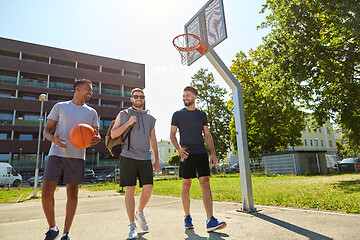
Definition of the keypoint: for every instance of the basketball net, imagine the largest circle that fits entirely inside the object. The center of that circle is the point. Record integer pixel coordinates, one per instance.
(188, 45)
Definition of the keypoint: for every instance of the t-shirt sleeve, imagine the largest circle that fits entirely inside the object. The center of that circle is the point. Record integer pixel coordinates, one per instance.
(175, 120)
(204, 119)
(95, 120)
(54, 113)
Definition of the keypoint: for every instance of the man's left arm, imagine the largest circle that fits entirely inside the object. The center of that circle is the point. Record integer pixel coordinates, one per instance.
(97, 137)
(210, 143)
(154, 147)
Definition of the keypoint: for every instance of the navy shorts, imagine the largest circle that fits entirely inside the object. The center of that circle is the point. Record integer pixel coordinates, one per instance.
(195, 165)
(64, 170)
(132, 169)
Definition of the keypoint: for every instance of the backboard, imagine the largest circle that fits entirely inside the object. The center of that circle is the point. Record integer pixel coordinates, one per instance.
(209, 24)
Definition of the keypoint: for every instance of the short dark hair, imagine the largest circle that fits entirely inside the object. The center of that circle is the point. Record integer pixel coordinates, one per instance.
(136, 90)
(191, 89)
(79, 82)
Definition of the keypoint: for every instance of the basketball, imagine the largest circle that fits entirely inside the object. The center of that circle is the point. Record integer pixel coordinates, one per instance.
(81, 135)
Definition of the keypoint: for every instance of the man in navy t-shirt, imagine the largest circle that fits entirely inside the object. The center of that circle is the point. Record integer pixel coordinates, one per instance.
(192, 124)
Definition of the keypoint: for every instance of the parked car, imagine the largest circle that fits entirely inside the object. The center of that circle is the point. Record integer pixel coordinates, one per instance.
(221, 167)
(108, 176)
(32, 179)
(170, 170)
(348, 165)
(90, 176)
(9, 175)
(235, 168)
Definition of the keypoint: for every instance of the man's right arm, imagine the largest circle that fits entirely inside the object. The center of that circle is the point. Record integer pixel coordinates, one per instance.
(117, 130)
(48, 134)
(182, 153)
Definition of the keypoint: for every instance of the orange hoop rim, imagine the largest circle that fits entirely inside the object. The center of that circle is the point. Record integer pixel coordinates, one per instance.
(187, 49)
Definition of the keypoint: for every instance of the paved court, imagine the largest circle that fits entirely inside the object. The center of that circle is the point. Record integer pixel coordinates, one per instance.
(101, 215)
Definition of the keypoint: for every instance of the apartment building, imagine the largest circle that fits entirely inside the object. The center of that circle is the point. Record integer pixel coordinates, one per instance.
(28, 70)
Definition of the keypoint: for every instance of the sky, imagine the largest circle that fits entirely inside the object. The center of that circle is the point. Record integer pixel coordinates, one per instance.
(139, 31)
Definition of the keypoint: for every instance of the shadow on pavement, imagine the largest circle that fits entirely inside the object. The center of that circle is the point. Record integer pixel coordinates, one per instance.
(302, 231)
(191, 235)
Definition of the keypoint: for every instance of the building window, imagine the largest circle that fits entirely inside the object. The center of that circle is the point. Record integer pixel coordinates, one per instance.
(328, 130)
(3, 136)
(330, 144)
(320, 130)
(311, 143)
(5, 157)
(175, 150)
(317, 142)
(25, 137)
(169, 150)
(6, 94)
(322, 143)
(6, 118)
(305, 143)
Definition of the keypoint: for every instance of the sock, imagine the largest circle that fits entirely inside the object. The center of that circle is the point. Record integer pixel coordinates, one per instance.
(54, 228)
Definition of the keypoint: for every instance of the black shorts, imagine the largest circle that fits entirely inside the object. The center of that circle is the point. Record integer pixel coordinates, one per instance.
(132, 169)
(195, 165)
(64, 170)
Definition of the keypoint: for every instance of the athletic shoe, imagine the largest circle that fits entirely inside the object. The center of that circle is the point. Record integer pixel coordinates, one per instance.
(141, 221)
(188, 222)
(52, 234)
(213, 224)
(65, 237)
(133, 231)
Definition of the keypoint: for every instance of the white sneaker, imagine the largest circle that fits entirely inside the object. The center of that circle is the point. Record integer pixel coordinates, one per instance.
(133, 231)
(141, 220)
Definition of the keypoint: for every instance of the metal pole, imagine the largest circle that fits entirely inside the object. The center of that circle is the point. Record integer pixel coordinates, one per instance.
(240, 125)
(42, 98)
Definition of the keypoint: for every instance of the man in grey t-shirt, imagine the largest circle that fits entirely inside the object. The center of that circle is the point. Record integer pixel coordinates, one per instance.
(136, 158)
(65, 162)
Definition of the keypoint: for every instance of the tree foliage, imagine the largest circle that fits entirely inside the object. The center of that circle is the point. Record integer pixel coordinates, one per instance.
(174, 159)
(273, 121)
(210, 99)
(316, 45)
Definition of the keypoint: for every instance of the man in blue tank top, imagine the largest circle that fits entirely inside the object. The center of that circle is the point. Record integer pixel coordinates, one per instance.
(192, 124)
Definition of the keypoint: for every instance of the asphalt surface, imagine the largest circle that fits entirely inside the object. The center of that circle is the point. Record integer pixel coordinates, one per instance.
(102, 215)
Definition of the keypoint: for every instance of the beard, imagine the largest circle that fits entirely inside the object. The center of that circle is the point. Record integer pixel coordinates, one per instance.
(138, 104)
(189, 103)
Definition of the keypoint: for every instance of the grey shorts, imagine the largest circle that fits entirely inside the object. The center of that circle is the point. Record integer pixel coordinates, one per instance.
(64, 170)
(132, 169)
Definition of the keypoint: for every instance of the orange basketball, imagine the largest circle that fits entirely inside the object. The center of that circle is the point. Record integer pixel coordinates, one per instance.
(81, 135)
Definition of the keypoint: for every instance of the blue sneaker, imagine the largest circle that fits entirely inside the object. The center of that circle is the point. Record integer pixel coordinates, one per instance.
(65, 236)
(188, 222)
(213, 224)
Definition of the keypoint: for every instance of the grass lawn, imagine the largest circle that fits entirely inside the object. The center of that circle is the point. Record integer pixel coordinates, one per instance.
(16, 195)
(337, 192)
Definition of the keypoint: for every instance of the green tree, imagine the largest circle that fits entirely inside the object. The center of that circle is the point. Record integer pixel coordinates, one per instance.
(273, 121)
(316, 45)
(174, 159)
(210, 99)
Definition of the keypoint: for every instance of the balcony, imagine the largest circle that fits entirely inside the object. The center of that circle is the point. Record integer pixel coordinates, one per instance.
(8, 80)
(33, 83)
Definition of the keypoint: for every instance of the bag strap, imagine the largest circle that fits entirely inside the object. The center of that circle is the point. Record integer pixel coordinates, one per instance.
(128, 133)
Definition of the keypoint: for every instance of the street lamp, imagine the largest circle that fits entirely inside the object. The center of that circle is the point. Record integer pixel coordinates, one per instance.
(42, 99)
(92, 159)
(19, 159)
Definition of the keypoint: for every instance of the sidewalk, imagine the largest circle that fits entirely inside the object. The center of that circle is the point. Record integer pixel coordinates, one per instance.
(102, 215)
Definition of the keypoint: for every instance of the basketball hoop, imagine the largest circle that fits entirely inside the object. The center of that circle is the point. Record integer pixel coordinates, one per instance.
(188, 45)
